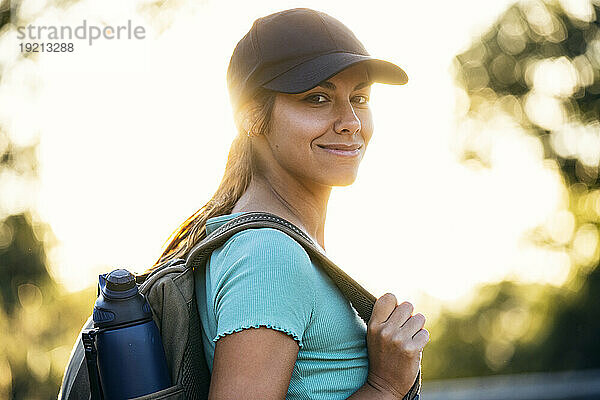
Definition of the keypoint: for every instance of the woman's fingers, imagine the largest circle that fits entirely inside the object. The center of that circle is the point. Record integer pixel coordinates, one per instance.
(394, 320)
(382, 309)
(412, 334)
(401, 315)
(421, 338)
(414, 324)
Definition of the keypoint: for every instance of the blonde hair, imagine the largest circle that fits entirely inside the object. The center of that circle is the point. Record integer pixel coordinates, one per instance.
(236, 178)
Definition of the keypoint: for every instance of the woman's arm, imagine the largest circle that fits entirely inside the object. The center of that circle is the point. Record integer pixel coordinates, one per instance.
(254, 363)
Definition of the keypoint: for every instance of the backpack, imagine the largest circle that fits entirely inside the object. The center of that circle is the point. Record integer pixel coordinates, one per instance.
(170, 291)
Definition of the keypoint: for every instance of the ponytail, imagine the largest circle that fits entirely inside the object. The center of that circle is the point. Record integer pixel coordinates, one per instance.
(236, 178)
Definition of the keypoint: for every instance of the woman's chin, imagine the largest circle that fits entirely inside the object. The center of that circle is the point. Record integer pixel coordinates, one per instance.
(342, 180)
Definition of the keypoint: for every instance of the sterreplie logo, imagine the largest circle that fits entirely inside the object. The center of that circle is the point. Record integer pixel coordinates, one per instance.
(91, 33)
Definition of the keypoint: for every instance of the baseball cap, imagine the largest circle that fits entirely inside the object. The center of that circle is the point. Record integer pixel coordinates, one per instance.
(292, 51)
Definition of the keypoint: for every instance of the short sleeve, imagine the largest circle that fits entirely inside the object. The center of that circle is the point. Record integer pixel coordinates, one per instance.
(262, 277)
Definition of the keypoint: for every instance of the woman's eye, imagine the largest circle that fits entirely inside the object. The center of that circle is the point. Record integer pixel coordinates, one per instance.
(314, 98)
(365, 99)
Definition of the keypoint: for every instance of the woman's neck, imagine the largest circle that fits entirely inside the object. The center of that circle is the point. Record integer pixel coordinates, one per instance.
(302, 207)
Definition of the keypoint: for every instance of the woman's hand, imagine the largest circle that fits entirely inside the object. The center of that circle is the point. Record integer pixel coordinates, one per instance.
(395, 340)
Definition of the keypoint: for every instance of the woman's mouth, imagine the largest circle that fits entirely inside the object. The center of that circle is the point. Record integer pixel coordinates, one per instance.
(344, 151)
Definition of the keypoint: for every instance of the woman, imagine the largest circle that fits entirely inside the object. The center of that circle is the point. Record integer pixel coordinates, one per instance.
(299, 82)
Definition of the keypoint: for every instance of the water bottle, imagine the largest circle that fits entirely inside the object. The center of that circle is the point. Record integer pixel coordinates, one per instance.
(124, 351)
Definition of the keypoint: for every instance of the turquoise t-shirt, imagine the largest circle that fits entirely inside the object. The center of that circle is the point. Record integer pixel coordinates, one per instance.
(263, 277)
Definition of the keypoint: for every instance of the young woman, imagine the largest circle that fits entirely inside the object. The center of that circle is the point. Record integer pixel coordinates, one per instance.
(275, 325)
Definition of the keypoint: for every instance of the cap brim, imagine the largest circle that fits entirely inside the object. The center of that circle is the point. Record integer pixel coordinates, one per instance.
(310, 73)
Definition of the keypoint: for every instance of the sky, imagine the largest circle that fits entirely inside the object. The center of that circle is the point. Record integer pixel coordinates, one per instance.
(134, 134)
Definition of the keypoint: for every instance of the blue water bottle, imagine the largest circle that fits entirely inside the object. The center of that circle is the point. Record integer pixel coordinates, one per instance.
(124, 351)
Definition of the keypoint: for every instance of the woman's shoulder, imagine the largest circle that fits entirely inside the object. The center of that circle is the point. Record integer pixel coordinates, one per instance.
(258, 253)
(265, 243)
(262, 257)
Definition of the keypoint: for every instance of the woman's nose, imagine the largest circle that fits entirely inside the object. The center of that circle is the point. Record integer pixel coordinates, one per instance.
(347, 122)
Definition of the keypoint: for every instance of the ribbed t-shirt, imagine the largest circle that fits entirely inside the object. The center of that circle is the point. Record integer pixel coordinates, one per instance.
(263, 277)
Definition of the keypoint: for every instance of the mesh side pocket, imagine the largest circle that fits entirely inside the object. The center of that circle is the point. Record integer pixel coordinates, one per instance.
(195, 372)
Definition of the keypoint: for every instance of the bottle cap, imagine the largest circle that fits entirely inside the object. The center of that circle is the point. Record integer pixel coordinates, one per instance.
(120, 280)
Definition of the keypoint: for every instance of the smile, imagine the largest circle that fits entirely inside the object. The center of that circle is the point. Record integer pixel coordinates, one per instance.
(342, 153)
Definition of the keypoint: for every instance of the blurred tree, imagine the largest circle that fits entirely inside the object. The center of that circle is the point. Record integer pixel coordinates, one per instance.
(22, 256)
(514, 328)
(539, 60)
(39, 320)
(538, 65)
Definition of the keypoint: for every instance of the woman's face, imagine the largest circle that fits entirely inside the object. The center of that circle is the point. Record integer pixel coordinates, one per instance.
(321, 135)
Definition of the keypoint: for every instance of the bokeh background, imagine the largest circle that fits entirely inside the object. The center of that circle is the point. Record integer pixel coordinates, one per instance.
(478, 199)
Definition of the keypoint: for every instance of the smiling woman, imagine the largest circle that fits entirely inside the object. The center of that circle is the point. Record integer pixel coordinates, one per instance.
(274, 325)
(316, 139)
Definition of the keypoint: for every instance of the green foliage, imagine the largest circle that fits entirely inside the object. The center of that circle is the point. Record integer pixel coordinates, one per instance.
(499, 71)
(22, 259)
(39, 320)
(36, 340)
(516, 328)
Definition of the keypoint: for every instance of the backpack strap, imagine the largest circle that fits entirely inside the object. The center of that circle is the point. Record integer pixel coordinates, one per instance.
(359, 297)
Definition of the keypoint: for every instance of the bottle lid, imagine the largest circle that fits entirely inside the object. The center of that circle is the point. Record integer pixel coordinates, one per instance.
(119, 301)
(120, 280)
